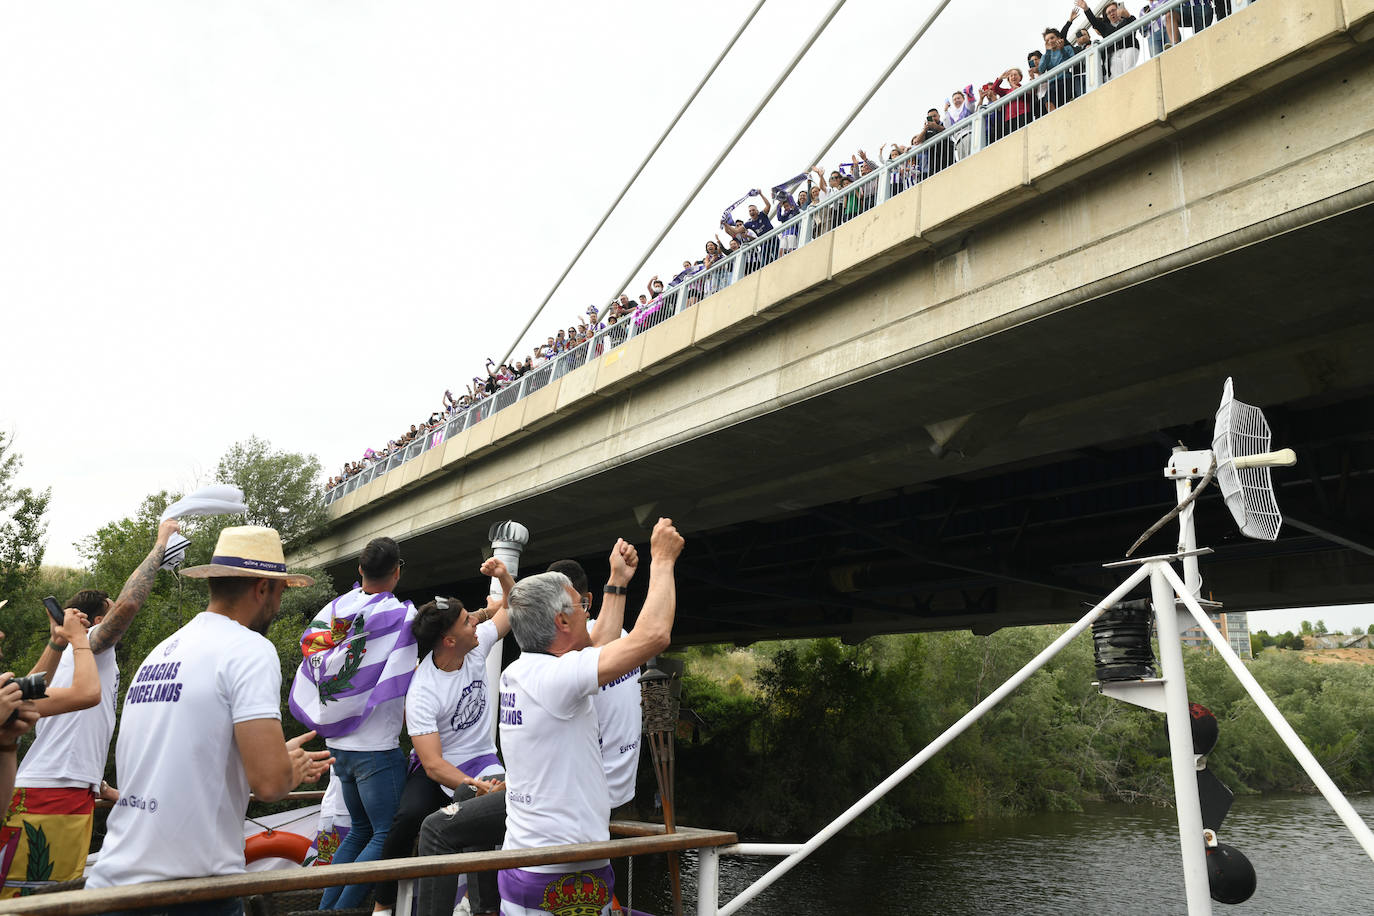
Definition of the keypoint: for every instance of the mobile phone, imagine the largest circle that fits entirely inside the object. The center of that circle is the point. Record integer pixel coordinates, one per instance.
(54, 610)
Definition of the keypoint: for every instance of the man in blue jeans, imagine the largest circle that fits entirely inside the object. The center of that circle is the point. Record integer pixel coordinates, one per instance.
(359, 655)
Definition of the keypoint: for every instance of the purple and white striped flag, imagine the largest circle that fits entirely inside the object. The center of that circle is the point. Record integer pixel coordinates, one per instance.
(359, 653)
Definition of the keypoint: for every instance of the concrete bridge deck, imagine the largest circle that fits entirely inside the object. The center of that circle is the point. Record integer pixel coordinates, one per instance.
(950, 410)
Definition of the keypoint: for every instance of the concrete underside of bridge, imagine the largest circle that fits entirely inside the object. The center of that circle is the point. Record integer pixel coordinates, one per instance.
(949, 416)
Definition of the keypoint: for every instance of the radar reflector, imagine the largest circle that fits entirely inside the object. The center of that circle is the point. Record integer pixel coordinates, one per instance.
(1240, 441)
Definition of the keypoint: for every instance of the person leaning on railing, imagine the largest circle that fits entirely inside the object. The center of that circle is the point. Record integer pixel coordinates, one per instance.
(1123, 51)
(937, 156)
(1014, 114)
(1060, 87)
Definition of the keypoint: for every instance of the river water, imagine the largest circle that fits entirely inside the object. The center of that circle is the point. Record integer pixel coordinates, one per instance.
(1114, 860)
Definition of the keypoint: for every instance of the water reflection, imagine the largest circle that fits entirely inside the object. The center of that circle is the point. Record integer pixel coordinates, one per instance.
(1109, 859)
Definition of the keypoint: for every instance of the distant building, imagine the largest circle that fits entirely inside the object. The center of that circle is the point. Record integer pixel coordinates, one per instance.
(1235, 626)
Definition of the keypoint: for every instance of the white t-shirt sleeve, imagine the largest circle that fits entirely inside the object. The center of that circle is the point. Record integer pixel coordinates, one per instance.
(572, 680)
(422, 708)
(250, 682)
(486, 638)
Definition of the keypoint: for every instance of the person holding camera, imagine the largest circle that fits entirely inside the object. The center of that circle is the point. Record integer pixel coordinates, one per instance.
(937, 156)
(17, 716)
(201, 728)
(63, 772)
(51, 817)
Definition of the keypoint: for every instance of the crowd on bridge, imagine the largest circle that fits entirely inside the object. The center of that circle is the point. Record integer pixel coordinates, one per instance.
(943, 137)
(201, 725)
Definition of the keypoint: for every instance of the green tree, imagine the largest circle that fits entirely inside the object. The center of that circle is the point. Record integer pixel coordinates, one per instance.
(281, 489)
(1306, 628)
(23, 524)
(1357, 631)
(1320, 626)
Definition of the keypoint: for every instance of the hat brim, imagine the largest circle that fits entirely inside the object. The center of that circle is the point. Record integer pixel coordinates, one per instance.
(215, 570)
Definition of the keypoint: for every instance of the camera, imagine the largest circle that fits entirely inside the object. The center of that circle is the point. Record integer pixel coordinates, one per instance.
(31, 686)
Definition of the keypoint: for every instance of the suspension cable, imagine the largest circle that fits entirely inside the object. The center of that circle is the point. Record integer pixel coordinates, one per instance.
(873, 90)
(768, 97)
(625, 190)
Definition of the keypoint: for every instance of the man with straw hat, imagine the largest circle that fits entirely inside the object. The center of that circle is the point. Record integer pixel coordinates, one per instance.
(202, 727)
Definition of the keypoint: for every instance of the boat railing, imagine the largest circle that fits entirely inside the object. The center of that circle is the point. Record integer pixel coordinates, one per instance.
(634, 839)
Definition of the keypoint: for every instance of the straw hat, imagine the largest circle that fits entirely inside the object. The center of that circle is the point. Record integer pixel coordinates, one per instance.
(248, 550)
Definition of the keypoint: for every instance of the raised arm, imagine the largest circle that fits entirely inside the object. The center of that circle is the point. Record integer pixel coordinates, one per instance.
(499, 615)
(767, 204)
(611, 619)
(134, 593)
(1097, 24)
(85, 689)
(654, 628)
(820, 180)
(52, 652)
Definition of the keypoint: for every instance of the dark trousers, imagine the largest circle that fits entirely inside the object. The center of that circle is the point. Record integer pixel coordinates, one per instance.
(420, 798)
(231, 907)
(479, 823)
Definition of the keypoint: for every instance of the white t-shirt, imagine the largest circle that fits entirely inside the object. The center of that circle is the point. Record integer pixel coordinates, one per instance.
(69, 751)
(457, 705)
(380, 731)
(183, 789)
(555, 783)
(621, 722)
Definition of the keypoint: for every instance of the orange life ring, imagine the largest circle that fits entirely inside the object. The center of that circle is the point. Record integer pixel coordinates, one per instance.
(276, 844)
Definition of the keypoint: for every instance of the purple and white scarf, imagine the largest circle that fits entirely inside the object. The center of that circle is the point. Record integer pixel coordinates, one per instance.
(359, 653)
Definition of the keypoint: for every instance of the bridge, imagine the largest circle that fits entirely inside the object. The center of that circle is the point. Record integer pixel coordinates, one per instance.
(950, 410)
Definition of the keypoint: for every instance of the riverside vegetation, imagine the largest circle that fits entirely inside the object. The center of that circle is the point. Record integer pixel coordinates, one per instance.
(794, 733)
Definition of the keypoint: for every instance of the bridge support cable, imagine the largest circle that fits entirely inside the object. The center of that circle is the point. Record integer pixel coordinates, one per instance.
(710, 72)
(873, 90)
(748, 122)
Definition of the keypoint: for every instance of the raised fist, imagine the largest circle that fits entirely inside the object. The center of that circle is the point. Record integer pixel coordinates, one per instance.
(665, 544)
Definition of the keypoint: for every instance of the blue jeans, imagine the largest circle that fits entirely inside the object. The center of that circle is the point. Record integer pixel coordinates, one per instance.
(371, 782)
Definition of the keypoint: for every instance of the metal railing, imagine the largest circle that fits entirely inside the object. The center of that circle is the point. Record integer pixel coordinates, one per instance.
(1088, 69)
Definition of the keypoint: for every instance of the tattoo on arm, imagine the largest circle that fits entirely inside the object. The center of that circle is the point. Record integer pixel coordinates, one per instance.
(131, 598)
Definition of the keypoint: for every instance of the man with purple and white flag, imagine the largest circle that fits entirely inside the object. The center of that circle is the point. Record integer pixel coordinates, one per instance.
(359, 657)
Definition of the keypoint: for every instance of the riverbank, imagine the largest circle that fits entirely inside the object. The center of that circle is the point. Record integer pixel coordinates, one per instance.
(790, 734)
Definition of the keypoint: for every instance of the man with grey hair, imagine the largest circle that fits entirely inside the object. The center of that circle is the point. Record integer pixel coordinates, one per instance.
(556, 789)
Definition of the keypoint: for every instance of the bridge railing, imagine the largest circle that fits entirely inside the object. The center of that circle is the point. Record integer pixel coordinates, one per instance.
(1088, 69)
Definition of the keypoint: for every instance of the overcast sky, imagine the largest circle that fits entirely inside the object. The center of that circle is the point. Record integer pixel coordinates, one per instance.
(304, 220)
